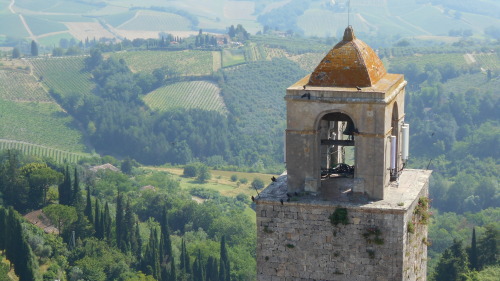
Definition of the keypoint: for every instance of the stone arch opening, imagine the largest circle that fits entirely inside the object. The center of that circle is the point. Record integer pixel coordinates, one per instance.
(337, 145)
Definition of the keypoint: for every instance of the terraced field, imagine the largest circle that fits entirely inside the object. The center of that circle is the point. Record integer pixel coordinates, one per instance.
(64, 75)
(195, 94)
(20, 86)
(186, 63)
(60, 156)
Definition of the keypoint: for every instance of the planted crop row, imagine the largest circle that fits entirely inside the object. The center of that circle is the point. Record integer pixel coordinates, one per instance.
(421, 61)
(17, 85)
(42, 151)
(488, 61)
(40, 123)
(149, 20)
(195, 94)
(186, 63)
(64, 75)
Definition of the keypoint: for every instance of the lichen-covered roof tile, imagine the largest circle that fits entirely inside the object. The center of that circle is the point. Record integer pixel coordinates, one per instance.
(351, 63)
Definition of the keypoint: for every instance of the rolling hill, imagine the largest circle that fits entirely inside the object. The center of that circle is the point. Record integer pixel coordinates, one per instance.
(46, 22)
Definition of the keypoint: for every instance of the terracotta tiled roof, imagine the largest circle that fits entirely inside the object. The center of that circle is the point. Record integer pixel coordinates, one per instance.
(351, 63)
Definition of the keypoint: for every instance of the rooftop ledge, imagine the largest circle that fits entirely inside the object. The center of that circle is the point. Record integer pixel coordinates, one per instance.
(399, 195)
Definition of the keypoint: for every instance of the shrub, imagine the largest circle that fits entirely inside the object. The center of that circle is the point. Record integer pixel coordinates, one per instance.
(257, 183)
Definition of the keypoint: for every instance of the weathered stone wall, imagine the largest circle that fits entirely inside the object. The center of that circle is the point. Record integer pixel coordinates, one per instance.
(297, 241)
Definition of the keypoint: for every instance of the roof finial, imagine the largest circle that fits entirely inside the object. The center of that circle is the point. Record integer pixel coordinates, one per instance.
(349, 34)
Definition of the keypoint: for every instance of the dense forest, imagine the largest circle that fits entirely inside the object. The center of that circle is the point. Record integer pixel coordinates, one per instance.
(110, 229)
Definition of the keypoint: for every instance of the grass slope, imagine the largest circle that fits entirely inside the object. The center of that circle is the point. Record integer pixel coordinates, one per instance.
(195, 94)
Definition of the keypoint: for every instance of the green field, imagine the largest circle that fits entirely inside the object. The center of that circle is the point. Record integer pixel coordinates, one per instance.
(17, 85)
(39, 123)
(421, 60)
(186, 63)
(220, 181)
(42, 26)
(150, 20)
(195, 94)
(232, 57)
(64, 75)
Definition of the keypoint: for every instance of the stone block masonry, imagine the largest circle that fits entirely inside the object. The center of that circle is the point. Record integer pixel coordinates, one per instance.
(310, 237)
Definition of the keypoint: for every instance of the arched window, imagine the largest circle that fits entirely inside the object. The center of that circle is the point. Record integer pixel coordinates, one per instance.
(395, 133)
(337, 143)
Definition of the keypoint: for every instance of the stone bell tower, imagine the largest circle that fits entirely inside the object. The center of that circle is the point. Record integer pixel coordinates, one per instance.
(346, 209)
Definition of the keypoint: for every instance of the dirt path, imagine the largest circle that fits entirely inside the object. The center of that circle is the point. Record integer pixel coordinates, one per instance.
(52, 33)
(11, 5)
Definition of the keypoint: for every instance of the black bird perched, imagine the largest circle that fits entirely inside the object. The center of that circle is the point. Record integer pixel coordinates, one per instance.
(281, 200)
(273, 179)
(304, 87)
(358, 88)
(253, 199)
(306, 95)
(295, 193)
(288, 195)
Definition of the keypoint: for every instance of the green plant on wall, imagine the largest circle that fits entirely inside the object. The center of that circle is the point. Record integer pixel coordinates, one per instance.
(372, 235)
(422, 210)
(339, 216)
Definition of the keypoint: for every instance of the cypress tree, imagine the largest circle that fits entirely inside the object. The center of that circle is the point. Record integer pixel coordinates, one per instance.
(88, 207)
(173, 275)
(473, 251)
(138, 252)
(97, 221)
(151, 259)
(76, 194)
(107, 223)
(65, 189)
(3, 227)
(188, 261)
(198, 271)
(128, 228)
(119, 220)
(166, 243)
(183, 256)
(34, 48)
(225, 268)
